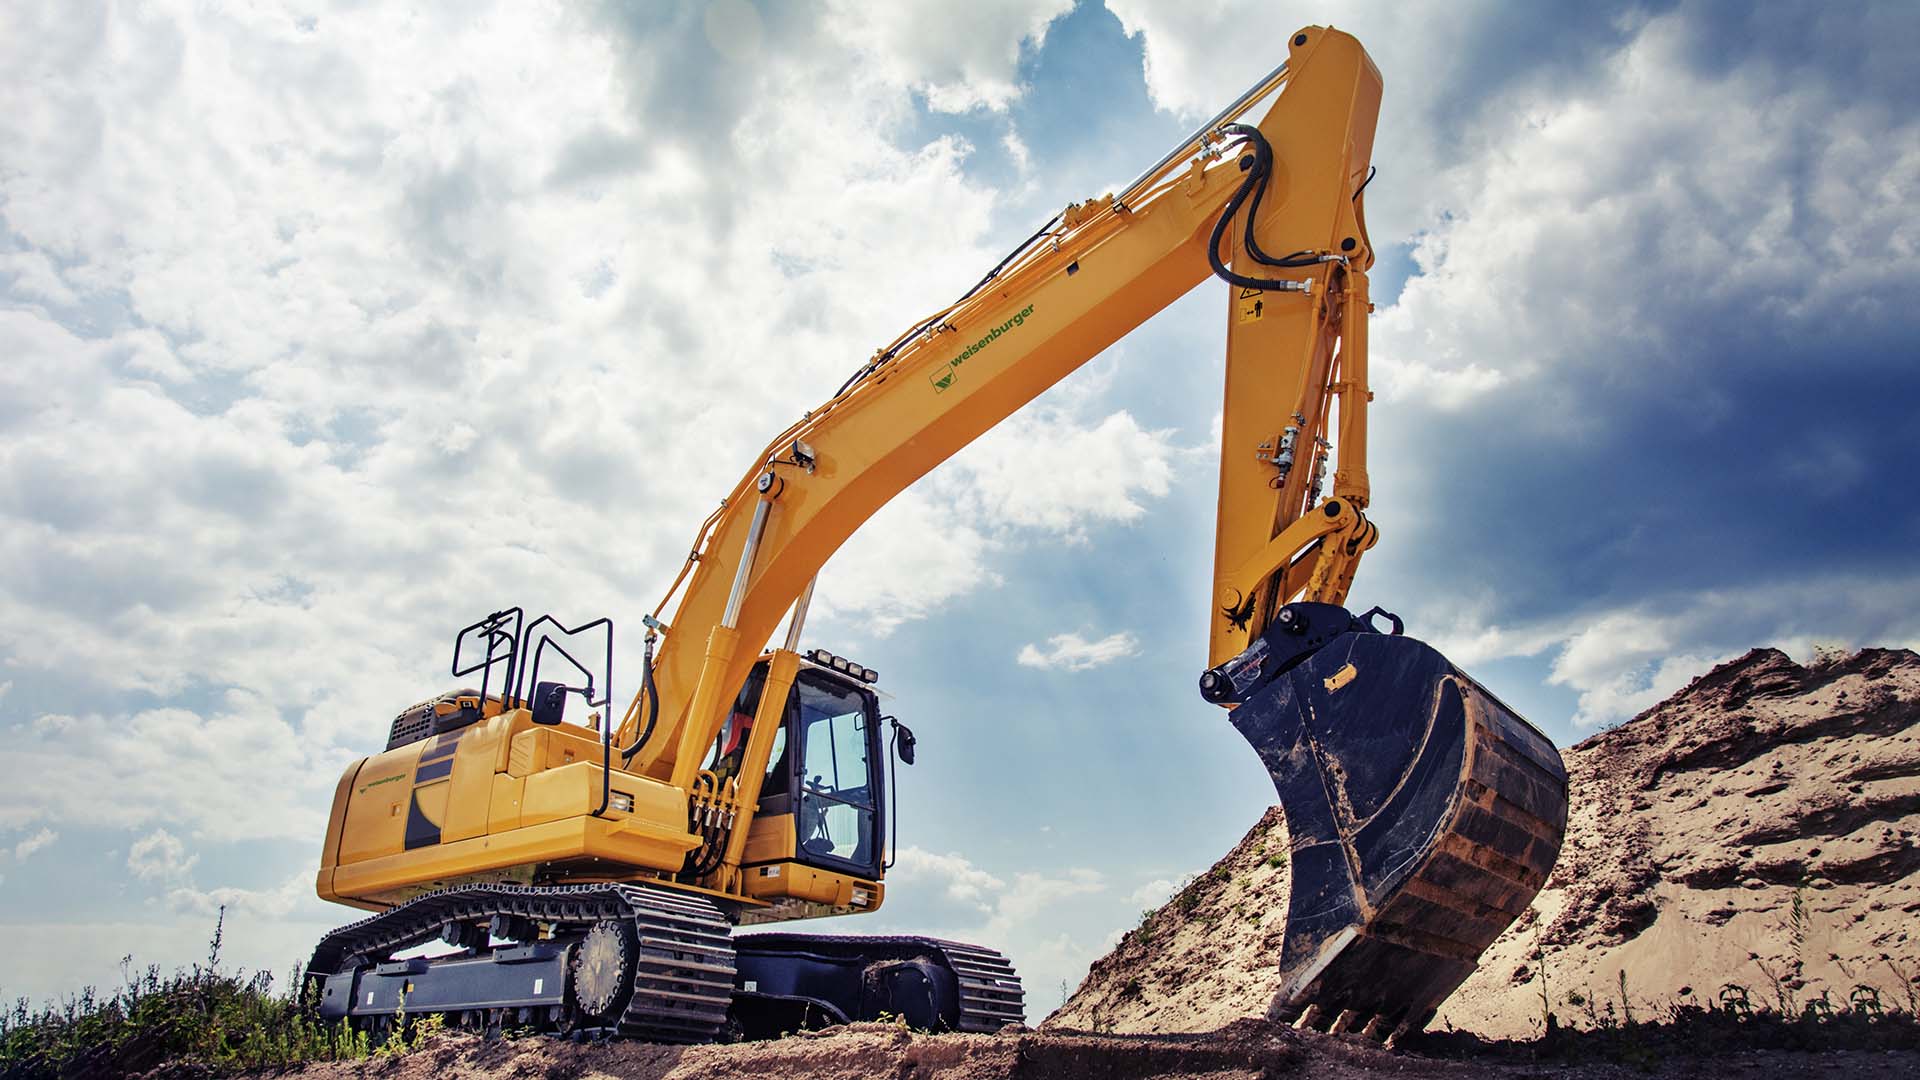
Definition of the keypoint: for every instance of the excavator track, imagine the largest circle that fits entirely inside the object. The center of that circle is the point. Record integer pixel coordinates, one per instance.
(671, 956)
(906, 976)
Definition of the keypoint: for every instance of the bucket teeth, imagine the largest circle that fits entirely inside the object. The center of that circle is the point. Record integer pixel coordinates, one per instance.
(1423, 817)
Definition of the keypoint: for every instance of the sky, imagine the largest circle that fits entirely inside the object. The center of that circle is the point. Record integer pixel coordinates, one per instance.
(326, 328)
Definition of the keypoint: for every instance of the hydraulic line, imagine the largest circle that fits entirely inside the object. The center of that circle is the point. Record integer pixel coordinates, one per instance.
(894, 350)
(653, 701)
(1259, 169)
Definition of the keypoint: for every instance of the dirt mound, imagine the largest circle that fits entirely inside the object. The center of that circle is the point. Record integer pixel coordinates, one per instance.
(1756, 829)
(1205, 958)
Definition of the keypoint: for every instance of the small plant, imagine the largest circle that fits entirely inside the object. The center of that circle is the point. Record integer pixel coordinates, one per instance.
(1786, 999)
(1549, 1023)
(1909, 984)
(1735, 999)
(1865, 1000)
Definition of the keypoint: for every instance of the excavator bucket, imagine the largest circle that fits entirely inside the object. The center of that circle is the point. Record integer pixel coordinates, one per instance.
(1423, 814)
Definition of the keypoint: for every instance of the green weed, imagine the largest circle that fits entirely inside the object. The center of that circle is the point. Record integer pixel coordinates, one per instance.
(223, 1021)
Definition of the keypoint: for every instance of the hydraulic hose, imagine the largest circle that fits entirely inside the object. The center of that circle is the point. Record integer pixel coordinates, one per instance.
(653, 704)
(1259, 167)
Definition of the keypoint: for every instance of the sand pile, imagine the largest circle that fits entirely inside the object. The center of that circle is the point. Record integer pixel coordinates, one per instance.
(1757, 829)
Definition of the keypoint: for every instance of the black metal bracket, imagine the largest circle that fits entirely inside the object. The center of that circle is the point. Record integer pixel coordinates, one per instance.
(507, 641)
(502, 628)
(551, 635)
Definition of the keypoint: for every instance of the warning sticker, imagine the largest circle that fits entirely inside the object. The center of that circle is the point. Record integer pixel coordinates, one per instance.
(1251, 304)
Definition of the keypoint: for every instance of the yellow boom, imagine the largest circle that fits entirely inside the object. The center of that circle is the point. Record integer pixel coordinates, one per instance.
(1100, 269)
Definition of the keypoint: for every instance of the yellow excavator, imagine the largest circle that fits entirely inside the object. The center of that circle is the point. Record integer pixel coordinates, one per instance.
(587, 875)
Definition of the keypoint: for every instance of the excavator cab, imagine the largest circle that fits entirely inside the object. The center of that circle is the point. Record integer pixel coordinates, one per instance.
(824, 784)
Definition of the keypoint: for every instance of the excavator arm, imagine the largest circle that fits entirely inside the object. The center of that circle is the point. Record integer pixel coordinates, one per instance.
(1296, 341)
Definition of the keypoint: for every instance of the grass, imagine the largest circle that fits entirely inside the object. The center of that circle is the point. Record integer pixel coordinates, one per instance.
(202, 1015)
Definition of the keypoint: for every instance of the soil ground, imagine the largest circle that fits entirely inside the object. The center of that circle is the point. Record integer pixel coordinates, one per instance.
(1241, 1051)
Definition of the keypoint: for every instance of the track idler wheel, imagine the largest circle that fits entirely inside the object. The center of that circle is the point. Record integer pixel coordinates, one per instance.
(601, 974)
(1423, 815)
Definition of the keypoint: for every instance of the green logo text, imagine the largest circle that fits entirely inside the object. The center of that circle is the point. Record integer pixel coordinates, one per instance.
(944, 376)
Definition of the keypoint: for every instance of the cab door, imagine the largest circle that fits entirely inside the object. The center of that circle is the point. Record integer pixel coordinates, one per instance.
(833, 748)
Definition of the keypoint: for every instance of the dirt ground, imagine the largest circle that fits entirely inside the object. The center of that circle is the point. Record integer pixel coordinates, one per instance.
(1756, 830)
(1242, 1051)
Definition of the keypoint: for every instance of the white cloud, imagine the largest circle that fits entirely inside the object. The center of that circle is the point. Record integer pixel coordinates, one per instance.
(1049, 471)
(295, 893)
(1153, 893)
(950, 875)
(1071, 652)
(207, 772)
(917, 553)
(39, 841)
(1621, 661)
(159, 856)
(961, 57)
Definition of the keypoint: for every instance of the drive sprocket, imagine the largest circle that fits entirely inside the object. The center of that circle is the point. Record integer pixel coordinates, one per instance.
(602, 970)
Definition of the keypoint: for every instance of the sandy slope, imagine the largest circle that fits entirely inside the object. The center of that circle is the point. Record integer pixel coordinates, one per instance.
(1761, 820)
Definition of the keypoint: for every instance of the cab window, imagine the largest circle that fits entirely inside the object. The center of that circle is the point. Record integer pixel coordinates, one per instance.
(837, 803)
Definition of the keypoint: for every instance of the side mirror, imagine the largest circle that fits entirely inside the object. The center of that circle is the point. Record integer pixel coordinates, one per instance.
(903, 740)
(549, 703)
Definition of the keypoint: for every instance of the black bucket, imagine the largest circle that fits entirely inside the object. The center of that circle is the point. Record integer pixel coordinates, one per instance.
(1423, 814)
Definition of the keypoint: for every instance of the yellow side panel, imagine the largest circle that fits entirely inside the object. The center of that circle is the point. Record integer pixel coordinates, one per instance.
(503, 812)
(432, 800)
(526, 749)
(470, 795)
(336, 821)
(770, 839)
(574, 791)
(376, 817)
(511, 856)
(538, 749)
(792, 881)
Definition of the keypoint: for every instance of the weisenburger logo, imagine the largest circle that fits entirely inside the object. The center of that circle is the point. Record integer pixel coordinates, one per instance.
(944, 376)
